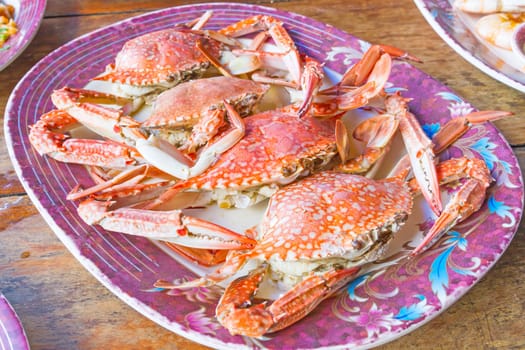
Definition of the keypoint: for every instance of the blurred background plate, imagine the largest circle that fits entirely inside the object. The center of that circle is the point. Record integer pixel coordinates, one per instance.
(12, 335)
(455, 30)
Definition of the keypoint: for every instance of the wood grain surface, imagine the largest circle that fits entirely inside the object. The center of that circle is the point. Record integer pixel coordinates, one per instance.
(63, 307)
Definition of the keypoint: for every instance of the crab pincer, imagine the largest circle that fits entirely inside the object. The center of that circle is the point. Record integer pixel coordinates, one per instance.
(171, 226)
(318, 231)
(190, 125)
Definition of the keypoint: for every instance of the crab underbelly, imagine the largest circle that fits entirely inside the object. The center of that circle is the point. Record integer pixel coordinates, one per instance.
(175, 136)
(367, 248)
(151, 91)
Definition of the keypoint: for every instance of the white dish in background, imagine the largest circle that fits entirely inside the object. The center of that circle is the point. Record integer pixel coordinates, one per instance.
(456, 28)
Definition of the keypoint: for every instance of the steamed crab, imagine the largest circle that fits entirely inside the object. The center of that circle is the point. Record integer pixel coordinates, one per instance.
(162, 59)
(316, 234)
(190, 134)
(159, 60)
(277, 149)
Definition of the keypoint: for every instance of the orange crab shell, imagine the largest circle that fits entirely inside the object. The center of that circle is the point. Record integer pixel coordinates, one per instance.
(277, 146)
(188, 101)
(161, 56)
(332, 214)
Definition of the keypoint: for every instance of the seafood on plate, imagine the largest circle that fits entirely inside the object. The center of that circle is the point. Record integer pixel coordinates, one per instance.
(277, 149)
(318, 231)
(490, 6)
(498, 28)
(495, 22)
(180, 136)
(207, 136)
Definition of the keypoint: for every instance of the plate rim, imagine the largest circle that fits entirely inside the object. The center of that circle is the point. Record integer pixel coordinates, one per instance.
(21, 336)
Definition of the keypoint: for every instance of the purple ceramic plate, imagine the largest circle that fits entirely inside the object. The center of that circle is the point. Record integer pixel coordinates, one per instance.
(28, 16)
(389, 299)
(12, 335)
(455, 29)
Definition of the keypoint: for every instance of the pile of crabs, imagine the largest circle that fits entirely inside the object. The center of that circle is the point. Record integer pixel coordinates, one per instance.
(210, 132)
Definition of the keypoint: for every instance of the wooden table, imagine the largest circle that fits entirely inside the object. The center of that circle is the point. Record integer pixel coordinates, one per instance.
(63, 307)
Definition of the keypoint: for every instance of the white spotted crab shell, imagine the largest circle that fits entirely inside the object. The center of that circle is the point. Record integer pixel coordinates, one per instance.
(330, 219)
(157, 61)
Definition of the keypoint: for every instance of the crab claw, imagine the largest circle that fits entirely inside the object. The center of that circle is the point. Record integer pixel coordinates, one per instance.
(172, 226)
(237, 313)
(359, 73)
(169, 159)
(87, 107)
(374, 85)
(376, 133)
(419, 149)
(311, 81)
(47, 137)
(465, 202)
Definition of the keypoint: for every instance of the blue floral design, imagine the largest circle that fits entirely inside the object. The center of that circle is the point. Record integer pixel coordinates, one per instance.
(500, 209)
(393, 90)
(431, 129)
(450, 96)
(353, 285)
(414, 311)
(438, 275)
(484, 147)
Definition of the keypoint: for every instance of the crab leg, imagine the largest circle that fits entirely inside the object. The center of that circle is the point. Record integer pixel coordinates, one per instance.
(311, 81)
(172, 226)
(280, 36)
(419, 149)
(451, 131)
(372, 87)
(359, 73)
(169, 159)
(456, 127)
(47, 137)
(376, 132)
(344, 97)
(207, 127)
(205, 257)
(237, 313)
(121, 184)
(198, 23)
(85, 106)
(466, 201)
(307, 74)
